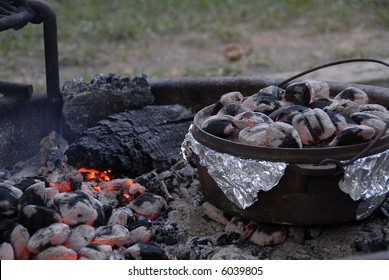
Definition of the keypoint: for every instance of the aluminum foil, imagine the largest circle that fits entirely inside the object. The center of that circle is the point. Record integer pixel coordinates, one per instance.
(368, 206)
(367, 177)
(367, 180)
(240, 179)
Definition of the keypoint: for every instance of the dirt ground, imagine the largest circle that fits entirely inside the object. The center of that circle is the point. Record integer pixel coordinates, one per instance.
(279, 53)
(272, 52)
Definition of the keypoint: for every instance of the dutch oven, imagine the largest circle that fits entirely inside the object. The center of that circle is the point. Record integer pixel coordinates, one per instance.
(307, 194)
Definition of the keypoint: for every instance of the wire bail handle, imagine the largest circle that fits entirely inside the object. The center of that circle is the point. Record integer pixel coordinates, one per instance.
(376, 139)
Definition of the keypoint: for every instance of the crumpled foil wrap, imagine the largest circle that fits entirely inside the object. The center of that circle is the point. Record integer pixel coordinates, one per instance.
(367, 179)
(240, 179)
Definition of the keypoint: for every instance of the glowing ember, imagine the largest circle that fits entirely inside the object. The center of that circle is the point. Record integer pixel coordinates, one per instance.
(133, 191)
(100, 183)
(61, 186)
(97, 188)
(103, 180)
(95, 175)
(116, 184)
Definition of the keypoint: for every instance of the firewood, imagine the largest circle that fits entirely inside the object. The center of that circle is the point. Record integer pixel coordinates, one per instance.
(87, 103)
(133, 142)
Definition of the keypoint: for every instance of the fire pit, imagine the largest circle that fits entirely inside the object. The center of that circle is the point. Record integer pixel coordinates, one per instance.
(185, 228)
(52, 210)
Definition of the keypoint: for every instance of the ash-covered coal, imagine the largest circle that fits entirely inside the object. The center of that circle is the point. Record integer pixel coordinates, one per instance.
(162, 215)
(186, 227)
(191, 228)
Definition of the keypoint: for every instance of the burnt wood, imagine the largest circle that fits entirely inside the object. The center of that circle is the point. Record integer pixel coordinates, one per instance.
(84, 104)
(133, 142)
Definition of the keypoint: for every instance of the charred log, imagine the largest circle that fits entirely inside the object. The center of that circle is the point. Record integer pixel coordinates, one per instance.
(87, 103)
(133, 142)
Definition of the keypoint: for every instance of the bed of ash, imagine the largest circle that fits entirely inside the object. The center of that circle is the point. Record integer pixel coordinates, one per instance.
(190, 228)
(193, 229)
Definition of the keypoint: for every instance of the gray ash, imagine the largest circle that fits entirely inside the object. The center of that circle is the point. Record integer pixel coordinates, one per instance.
(184, 230)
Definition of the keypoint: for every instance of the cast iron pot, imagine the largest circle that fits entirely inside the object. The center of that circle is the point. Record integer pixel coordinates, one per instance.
(307, 194)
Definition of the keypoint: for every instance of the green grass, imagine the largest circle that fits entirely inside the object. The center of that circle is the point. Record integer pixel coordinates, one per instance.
(89, 27)
(94, 21)
(138, 19)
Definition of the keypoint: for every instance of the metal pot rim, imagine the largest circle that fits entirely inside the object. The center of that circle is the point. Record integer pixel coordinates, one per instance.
(288, 155)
